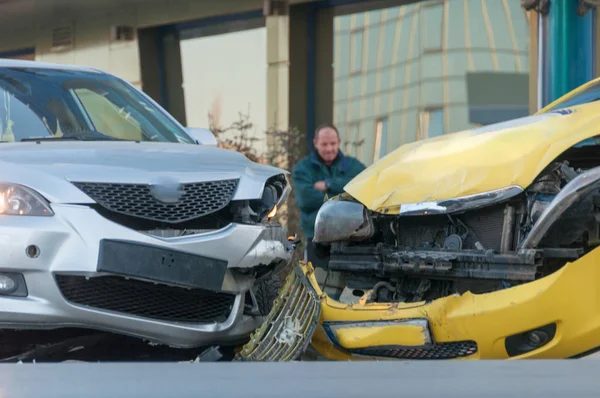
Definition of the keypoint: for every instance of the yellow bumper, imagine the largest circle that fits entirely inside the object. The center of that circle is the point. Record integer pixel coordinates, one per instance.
(562, 308)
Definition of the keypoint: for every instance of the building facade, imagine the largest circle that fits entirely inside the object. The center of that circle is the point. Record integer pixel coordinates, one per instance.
(387, 72)
(425, 69)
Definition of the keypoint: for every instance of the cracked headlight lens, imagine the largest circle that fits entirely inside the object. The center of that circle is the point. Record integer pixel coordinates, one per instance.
(17, 200)
(276, 192)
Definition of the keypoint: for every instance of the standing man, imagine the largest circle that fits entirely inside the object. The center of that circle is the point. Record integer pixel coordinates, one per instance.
(323, 172)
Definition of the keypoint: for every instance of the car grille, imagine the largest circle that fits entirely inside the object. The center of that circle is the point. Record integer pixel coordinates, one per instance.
(146, 299)
(436, 351)
(199, 199)
(288, 329)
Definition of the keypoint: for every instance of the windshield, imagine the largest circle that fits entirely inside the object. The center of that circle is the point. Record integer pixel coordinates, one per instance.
(48, 103)
(590, 94)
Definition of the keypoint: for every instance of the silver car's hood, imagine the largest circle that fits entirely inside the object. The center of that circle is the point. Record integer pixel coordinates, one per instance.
(50, 167)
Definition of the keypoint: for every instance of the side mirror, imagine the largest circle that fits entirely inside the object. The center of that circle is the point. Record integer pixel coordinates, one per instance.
(202, 136)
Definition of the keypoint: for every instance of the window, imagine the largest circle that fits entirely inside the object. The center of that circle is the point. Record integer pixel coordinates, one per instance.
(433, 26)
(42, 103)
(108, 118)
(352, 137)
(381, 130)
(356, 51)
(18, 120)
(431, 123)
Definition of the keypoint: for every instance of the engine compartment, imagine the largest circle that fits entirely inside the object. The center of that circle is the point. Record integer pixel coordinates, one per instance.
(413, 258)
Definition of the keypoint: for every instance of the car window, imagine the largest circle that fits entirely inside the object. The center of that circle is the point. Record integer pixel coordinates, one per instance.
(18, 120)
(107, 117)
(37, 103)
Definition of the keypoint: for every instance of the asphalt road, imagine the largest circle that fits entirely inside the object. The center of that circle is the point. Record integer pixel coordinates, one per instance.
(593, 356)
(514, 379)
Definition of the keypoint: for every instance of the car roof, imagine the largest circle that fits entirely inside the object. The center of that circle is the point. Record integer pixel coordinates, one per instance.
(17, 63)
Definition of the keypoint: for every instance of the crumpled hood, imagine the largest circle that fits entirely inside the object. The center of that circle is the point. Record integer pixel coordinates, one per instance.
(473, 161)
(50, 167)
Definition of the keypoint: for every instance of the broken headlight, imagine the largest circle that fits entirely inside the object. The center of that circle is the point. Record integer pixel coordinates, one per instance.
(342, 220)
(18, 200)
(275, 192)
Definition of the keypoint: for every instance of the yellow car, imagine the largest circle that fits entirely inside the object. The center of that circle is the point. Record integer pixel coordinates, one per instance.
(482, 244)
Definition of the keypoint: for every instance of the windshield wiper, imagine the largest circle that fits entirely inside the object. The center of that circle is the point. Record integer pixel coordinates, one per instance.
(74, 138)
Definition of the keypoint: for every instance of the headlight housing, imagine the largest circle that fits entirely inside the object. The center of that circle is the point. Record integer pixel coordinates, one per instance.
(276, 192)
(18, 200)
(343, 220)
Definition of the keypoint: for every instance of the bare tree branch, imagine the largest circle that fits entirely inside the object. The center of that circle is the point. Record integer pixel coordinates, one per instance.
(286, 148)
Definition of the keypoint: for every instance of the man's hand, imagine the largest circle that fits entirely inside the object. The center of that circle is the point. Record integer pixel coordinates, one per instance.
(320, 186)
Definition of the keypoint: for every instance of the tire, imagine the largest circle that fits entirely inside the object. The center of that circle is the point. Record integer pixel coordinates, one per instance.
(266, 291)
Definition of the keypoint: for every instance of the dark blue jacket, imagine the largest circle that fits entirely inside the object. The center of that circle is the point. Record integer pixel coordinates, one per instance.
(310, 170)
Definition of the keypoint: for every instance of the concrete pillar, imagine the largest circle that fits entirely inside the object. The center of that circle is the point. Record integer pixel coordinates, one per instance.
(533, 61)
(311, 69)
(278, 64)
(160, 65)
(299, 47)
(174, 77)
(323, 67)
(150, 63)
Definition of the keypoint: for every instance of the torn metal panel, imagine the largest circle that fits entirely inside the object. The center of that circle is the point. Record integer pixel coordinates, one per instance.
(471, 162)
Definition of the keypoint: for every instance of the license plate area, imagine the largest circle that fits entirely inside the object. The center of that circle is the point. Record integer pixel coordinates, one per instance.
(158, 264)
(401, 333)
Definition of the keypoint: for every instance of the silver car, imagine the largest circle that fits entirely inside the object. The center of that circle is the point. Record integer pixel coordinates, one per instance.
(114, 217)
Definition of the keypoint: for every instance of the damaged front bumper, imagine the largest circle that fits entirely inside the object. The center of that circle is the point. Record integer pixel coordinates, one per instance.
(555, 317)
(287, 330)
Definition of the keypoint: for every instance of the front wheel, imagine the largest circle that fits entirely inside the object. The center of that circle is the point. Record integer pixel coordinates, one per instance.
(266, 291)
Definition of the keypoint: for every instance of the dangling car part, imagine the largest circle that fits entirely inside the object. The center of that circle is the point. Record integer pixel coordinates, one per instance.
(482, 244)
(287, 330)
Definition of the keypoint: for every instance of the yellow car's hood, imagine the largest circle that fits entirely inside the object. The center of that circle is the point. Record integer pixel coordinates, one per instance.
(473, 161)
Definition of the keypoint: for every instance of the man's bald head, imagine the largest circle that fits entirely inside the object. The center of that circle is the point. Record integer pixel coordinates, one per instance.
(327, 142)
